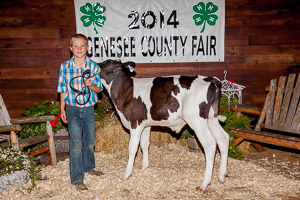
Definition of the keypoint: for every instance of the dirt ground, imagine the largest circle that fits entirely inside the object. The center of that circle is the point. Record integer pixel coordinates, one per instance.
(284, 162)
(175, 173)
(281, 161)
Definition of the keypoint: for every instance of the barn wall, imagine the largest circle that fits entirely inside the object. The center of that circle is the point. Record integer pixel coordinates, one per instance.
(261, 42)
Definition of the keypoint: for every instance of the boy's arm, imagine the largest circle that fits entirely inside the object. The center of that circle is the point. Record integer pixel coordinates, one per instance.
(95, 88)
(63, 108)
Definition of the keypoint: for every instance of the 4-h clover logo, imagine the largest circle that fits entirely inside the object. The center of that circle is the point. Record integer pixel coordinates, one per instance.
(205, 14)
(93, 15)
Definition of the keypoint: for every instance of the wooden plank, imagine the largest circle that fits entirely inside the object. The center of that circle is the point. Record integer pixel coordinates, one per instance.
(293, 104)
(14, 140)
(39, 151)
(51, 144)
(258, 20)
(245, 109)
(271, 102)
(260, 137)
(236, 40)
(8, 128)
(250, 4)
(296, 121)
(29, 43)
(41, 52)
(7, 33)
(262, 116)
(32, 62)
(22, 11)
(278, 30)
(27, 120)
(28, 83)
(4, 116)
(29, 73)
(255, 12)
(16, 112)
(242, 50)
(49, 3)
(33, 140)
(253, 60)
(278, 101)
(286, 100)
(274, 39)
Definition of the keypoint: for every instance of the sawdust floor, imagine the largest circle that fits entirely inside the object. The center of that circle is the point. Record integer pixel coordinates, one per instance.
(175, 173)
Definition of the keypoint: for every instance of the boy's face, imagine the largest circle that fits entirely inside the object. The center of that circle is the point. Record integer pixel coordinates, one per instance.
(79, 47)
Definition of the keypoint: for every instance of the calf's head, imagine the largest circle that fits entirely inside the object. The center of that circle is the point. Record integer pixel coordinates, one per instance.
(112, 69)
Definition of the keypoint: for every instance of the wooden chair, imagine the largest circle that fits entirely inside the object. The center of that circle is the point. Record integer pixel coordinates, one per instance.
(279, 120)
(13, 126)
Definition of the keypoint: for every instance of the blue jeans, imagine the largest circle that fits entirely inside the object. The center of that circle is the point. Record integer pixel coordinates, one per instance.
(81, 124)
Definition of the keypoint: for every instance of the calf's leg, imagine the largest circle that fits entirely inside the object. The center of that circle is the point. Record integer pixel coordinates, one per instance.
(199, 125)
(222, 139)
(135, 135)
(144, 142)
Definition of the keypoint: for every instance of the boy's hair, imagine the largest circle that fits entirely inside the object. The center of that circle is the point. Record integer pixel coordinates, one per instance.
(78, 35)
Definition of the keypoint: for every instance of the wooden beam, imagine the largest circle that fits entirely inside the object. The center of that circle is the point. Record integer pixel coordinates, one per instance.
(268, 138)
(51, 144)
(8, 128)
(39, 151)
(245, 109)
(33, 140)
(14, 140)
(26, 120)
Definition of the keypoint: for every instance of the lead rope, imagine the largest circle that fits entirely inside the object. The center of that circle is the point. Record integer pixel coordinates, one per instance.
(84, 92)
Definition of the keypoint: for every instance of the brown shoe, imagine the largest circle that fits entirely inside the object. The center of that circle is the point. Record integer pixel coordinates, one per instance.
(96, 173)
(80, 186)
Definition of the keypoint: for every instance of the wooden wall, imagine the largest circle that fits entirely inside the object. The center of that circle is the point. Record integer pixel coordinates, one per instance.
(262, 41)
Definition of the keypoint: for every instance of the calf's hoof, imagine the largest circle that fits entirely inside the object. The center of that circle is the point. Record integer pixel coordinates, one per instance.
(125, 177)
(145, 167)
(222, 178)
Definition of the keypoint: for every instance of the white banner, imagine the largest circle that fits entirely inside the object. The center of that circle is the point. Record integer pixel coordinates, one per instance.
(158, 31)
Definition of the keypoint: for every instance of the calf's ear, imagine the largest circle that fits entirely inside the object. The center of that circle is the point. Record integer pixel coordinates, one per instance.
(129, 65)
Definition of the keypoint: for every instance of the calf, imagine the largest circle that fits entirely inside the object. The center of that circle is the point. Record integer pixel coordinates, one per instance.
(171, 101)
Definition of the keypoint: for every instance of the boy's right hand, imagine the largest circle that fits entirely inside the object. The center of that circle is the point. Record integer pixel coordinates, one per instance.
(63, 116)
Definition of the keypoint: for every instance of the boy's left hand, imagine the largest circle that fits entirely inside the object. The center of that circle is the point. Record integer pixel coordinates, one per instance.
(88, 82)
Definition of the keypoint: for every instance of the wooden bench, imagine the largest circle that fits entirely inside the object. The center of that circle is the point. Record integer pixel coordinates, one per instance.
(279, 120)
(13, 127)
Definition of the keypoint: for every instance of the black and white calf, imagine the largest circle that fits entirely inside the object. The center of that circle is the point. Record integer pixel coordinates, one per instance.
(171, 101)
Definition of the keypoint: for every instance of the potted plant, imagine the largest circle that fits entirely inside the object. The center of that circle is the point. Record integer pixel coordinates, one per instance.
(16, 168)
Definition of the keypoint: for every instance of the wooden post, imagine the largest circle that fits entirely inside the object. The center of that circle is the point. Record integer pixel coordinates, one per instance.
(51, 144)
(14, 140)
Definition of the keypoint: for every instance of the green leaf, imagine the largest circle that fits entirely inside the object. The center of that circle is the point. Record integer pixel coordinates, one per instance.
(212, 20)
(86, 20)
(87, 9)
(211, 8)
(98, 9)
(100, 21)
(198, 19)
(199, 8)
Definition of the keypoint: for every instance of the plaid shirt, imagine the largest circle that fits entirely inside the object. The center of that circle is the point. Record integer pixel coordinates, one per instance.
(68, 70)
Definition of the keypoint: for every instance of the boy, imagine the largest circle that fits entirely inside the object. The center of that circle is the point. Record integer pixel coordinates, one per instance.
(78, 113)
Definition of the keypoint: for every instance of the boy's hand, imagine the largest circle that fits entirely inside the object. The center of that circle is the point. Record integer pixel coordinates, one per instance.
(63, 116)
(88, 82)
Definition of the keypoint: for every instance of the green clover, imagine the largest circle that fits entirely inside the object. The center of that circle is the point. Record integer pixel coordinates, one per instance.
(205, 14)
(93, 15)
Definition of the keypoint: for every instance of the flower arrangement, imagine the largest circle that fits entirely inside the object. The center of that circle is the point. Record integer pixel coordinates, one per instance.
(45, 108)
(14, 162)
